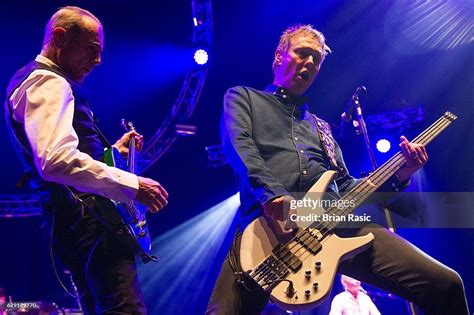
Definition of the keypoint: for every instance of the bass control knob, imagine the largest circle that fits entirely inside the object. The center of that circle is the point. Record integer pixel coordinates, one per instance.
(315, 285)
(307, 292)
(307, 273)
(317, 265)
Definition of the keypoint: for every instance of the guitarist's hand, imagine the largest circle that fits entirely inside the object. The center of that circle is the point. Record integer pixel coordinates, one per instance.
(123, 143)
(151, 194)
(277, 208)
(415, 155)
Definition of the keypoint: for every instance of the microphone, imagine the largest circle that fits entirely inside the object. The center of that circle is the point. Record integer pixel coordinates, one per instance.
(346, 116)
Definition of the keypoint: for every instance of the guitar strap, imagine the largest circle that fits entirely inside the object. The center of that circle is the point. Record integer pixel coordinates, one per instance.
(103, 139)
(328, 143)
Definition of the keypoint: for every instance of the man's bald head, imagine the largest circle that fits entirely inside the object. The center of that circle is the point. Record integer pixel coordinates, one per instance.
(74, 20)
(74, 41)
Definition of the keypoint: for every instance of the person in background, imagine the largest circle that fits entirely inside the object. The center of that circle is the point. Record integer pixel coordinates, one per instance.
(353, 301)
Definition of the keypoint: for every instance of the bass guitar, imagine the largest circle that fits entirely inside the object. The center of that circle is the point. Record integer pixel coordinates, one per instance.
(298, 266)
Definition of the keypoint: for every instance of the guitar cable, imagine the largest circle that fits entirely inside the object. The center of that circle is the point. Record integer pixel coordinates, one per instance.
(146, 257)
(53, 263)
(234, 259)
(107, 225)
(234, 262)
(240, 275)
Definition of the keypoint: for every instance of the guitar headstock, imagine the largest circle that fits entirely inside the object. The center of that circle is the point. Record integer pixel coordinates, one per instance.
(128, 126)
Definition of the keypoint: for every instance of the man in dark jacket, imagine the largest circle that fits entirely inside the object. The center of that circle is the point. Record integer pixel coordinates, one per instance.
(278, 150)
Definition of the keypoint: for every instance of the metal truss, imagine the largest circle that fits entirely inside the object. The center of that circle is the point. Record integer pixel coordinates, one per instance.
(181, 111)
(13, 206)
(188, 97)
(202, 15)
(215, 156)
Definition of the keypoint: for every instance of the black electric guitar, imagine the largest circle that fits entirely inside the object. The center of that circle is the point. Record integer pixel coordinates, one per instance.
(132, 215)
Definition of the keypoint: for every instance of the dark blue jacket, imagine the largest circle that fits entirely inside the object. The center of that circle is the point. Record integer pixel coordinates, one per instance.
(272, 143)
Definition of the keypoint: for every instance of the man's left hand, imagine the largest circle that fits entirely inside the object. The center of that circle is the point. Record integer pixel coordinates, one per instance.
(122, 145)
(415, 156)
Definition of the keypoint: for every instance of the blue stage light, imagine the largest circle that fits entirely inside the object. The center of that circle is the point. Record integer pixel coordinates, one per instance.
(188, 263)
(201, 57)
(383, 145)
(429, 25)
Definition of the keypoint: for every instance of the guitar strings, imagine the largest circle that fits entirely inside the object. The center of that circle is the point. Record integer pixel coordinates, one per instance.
(298, 236)
(394, 160)
(378, 176)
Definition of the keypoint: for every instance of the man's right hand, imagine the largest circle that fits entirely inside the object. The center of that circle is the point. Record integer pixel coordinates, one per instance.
(277, 208)
(151, 194)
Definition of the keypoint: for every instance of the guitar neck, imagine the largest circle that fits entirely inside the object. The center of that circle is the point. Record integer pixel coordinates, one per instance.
(131, 159)
(373, 182)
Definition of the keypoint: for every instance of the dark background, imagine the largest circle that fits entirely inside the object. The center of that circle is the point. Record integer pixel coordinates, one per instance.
(147, 52)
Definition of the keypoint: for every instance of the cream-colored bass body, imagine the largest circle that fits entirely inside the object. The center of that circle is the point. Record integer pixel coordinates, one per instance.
(312, 281)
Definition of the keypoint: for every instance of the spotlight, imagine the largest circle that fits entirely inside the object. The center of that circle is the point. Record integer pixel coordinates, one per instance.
(201, 57)
(188, 255)
(383, 145)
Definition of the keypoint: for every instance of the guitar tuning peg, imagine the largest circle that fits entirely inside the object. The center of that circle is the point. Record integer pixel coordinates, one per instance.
(124, 124)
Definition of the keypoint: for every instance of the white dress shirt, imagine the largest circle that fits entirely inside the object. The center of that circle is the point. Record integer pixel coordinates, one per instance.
(345, 304)
(44, 104)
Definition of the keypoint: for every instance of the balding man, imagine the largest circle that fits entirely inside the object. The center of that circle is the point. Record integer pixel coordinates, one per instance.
(54, 132)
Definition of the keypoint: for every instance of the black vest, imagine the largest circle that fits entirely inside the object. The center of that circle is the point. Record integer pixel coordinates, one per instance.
(83, 123)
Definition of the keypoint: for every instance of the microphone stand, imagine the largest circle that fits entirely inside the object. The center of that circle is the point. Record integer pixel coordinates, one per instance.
(361, 129)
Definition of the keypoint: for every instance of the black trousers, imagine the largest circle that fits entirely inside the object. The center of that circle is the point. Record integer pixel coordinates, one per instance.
(103, 270)
(391, 264)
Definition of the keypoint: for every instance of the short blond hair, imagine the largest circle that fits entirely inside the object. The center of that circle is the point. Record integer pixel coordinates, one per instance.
(301, 30)
(70, 18)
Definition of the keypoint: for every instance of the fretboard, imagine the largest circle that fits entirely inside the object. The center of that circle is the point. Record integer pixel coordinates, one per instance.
(366, 187)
